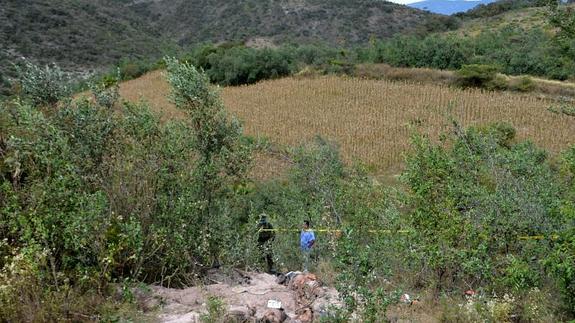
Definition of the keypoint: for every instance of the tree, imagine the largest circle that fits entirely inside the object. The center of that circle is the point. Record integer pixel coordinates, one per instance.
(222, 159)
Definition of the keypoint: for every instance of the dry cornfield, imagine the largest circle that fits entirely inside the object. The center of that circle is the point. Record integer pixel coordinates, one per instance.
(371, 120)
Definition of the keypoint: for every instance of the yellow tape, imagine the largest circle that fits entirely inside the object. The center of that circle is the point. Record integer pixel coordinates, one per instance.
(525, 237)
(539, 237)
(332, 230)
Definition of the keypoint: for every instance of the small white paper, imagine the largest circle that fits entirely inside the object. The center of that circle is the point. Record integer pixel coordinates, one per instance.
(274, 304)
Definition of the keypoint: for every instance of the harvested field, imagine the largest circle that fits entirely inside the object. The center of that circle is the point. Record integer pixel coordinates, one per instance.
(372, 120)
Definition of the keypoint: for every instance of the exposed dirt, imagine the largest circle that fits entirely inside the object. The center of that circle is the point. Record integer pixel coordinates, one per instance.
(246, 296)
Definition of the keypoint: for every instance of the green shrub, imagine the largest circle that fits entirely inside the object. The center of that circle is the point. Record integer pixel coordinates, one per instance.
(216, 310)
(43, 86)
(471, 203)
(498, 83)
(476, 75)
(524, 84)
(236, 65)
(519, 275)
(97, 196)
(563, 108)
(107, 92)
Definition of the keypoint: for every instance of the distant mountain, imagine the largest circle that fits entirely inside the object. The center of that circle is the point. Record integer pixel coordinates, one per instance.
(499, 7)
(449, 7)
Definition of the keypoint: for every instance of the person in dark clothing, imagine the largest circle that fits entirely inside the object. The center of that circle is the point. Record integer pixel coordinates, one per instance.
(265, 237)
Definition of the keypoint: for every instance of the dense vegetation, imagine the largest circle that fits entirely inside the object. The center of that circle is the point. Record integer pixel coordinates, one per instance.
(513, 50)
(93, 197)
(97, 195)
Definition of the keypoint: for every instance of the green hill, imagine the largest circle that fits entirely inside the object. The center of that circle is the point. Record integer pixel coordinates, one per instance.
(526, 18)
(80, 35)
(335, 21)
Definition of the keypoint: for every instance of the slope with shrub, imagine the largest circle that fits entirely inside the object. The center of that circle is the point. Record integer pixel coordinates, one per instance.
(95, 197)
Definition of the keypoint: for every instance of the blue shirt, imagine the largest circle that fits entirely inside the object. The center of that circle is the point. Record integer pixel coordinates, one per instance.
(306, 238)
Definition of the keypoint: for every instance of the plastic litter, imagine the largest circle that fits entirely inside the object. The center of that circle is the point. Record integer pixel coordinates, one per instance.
(272, 303)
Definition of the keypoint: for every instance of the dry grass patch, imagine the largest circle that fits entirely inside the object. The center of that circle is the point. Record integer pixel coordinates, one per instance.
(370, 119)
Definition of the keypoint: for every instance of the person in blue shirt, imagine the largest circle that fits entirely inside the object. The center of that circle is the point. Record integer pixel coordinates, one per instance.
(306, 241)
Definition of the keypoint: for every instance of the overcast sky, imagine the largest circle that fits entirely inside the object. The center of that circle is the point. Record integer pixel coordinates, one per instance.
(409, 1)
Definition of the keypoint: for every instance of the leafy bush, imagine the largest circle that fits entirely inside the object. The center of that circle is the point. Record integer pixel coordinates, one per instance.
(96, 196)
(238, 65)
(524, 84)
(222, 159)
(516, 51)
(107, 92)
(471, 203)
(43, 86)
(475, 75)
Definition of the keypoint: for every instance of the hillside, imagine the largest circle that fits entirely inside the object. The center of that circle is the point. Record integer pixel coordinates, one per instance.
(75, 33)
(526, 18)
(79, 35)
(335, 21)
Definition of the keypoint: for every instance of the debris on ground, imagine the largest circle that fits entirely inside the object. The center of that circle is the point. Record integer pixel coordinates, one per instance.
(250, 297)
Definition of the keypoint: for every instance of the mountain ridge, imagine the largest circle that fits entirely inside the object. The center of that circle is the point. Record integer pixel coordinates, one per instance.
(335, 21)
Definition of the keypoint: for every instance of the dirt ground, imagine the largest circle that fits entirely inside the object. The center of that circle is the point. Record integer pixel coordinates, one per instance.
(303, 298)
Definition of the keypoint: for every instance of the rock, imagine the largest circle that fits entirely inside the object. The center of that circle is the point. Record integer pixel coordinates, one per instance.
(274, 316)
(240, 314)
(297, 282)
(304, 315)
(281, 279)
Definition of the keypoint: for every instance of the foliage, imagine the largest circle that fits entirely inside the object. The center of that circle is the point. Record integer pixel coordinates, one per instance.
(561, 260)
(274, 22)
(216, 310)
(95, 196)
(476, 75)
(525, 84)
(92, 196)
(43, 86)
(515, 50)
(107, 92)
(222, 159)
(79, 36)
(361, 272)
(563, 108)
(473, 202)
(433, 51)
(241, 65)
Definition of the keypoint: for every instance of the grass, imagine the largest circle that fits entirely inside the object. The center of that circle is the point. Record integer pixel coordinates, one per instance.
(371, 120)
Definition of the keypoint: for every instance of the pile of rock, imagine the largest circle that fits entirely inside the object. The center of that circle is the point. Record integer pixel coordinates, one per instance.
(311, 297)
(293, 297)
